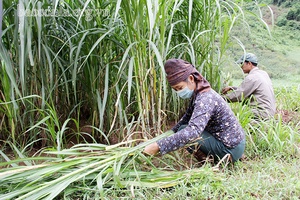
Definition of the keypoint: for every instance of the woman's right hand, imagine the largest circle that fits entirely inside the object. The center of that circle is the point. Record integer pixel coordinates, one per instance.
(152, 149)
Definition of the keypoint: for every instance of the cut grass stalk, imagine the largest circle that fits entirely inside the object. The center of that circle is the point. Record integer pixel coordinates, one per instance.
(49, 179)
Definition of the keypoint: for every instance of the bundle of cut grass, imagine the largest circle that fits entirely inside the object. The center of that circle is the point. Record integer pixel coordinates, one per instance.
(94, 167)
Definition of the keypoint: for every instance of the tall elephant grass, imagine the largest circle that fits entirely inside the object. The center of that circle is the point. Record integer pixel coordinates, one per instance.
(101, 63)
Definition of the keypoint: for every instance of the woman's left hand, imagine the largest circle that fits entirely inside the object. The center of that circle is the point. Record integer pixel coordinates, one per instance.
(152, 149)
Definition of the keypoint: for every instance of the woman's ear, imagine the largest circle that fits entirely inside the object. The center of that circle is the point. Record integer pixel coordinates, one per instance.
(191, 78)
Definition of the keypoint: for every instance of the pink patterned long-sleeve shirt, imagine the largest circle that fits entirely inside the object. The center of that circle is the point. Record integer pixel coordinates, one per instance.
(207, 111)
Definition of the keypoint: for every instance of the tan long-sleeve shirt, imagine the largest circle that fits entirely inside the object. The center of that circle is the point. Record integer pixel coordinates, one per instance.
(256, 84)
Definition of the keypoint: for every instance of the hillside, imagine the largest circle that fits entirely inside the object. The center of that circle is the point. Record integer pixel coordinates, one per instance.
(277, 49)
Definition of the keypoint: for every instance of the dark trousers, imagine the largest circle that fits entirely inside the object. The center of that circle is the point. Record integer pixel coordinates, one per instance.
(209, 145)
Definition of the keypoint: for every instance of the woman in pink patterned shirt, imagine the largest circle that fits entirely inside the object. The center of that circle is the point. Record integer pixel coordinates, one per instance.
(209, 122)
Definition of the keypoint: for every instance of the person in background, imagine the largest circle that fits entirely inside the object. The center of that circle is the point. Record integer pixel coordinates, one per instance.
(208, 127)
(256, 87)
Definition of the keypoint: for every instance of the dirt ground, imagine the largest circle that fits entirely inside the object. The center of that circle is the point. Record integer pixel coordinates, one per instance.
(289, 116)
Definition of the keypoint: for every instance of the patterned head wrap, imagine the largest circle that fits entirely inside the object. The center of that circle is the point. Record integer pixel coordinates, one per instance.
(179, 70)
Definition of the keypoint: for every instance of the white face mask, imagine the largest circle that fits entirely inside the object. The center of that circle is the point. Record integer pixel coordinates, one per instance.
(185, 93)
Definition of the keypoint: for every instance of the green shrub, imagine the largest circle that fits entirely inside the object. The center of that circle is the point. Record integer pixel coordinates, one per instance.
(291, 15)
(281, 21)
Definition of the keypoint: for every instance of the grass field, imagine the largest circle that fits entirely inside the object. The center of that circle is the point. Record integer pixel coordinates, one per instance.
(270, 169)
(292, 81)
